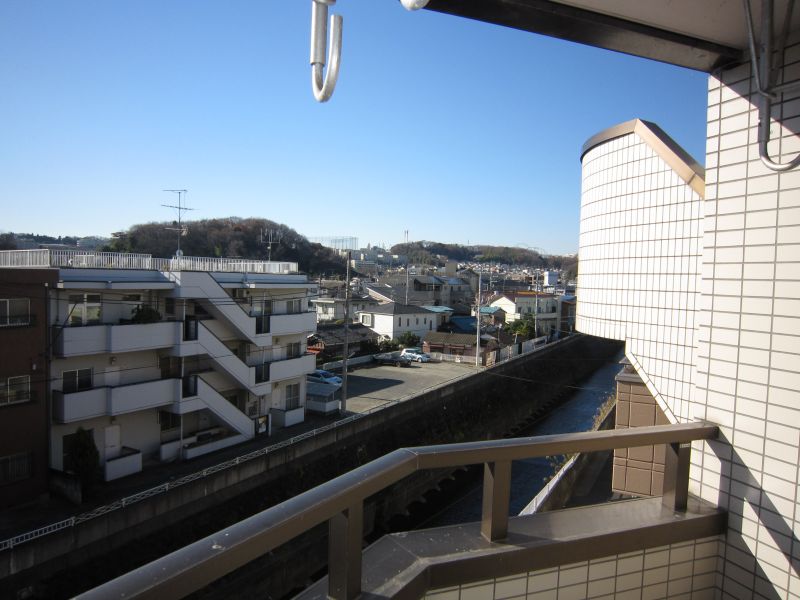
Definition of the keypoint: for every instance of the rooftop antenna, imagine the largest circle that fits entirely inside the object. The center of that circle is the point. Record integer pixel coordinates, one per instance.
(180, 208)
(270, 237)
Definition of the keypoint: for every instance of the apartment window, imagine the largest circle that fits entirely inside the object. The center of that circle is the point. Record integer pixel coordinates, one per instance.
(293, 350)
(169, 306)
(16, 467)
(366, 320)
(417, 320)
(15, 311)
(408, 322)
(16, 390)
(294, 306)
(168, 420)
(292, 396)
(75, 381)
(399, 321)
(84, 309)
(132, 298)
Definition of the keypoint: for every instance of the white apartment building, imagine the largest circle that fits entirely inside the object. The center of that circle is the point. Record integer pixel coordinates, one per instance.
(171, 359)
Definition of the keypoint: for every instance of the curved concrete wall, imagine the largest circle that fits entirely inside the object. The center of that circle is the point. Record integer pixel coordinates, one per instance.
(640, 255)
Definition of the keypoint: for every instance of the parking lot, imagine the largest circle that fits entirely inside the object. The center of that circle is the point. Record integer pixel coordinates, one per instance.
(372, 387)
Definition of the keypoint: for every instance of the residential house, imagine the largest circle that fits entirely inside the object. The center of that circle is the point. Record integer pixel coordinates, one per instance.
(443, 314)
(333, 309)
(491, 315)
(537, 305)
(328, 340)
(169, 358)
(392, 320)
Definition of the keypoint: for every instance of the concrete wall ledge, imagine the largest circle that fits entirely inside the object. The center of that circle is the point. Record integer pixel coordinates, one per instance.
(407, 565)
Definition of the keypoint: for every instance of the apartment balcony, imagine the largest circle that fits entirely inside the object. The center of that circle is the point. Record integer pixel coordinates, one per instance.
(128, 462)
(287, 418)
(111, 401)
(292, 368)
(114, 339)
(408, 565)
(294, 323)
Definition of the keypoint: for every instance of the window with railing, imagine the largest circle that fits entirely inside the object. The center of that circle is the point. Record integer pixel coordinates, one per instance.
(262, 373)
(262, 324)
(15, 311)
(189, 386)
(293, 350)
(292, 396)
(16, 467)
(84, 309)
(15, 390)
(76, 380)
(168, 421)
(294, 306)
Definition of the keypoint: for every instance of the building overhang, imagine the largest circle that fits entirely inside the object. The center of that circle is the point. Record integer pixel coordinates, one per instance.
(697, 34)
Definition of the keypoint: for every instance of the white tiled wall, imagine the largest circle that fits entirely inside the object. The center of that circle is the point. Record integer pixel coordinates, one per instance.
(749, 338)
(686, 570)
(640, 250)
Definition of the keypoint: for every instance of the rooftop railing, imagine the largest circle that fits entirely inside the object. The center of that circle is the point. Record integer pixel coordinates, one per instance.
(82, 259)
(340, 502)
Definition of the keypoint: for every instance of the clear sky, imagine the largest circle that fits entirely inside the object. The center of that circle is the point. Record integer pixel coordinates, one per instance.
(456, 130)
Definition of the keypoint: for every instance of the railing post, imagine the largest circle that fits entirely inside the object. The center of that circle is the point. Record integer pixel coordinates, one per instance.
(496, 495)
(676, 476)
(345, 533)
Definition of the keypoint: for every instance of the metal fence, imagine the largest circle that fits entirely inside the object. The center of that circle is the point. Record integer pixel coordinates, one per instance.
(86, 259)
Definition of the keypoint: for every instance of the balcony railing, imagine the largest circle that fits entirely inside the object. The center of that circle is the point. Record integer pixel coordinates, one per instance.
(340, 503)
(119, 260)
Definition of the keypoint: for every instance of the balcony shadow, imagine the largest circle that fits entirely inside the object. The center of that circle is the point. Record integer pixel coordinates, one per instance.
(781, 534)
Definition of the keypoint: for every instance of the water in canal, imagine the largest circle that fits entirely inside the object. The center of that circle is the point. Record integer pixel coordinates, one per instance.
(528, 476)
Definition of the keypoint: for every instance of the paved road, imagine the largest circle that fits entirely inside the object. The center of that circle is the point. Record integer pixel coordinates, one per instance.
(370, 387)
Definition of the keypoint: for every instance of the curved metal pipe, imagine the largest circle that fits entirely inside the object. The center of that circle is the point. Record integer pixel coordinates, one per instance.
(764, 75)
(323, 85)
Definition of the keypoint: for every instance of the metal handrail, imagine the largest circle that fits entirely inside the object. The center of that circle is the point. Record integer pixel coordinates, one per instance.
(340, 502)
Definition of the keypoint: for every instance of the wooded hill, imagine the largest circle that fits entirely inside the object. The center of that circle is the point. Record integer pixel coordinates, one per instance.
(231, 237)
(435, 253)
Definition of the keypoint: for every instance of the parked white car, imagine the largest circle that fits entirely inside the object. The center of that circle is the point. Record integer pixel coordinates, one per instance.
(323, 376)
(416, 354)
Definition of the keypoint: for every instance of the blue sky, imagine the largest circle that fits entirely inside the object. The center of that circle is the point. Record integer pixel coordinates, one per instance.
(456, 130)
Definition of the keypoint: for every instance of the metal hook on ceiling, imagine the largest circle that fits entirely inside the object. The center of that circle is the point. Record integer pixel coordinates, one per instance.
(764, 74)
(323, 86)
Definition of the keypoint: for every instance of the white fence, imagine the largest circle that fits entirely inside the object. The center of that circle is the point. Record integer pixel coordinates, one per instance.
(122, 260)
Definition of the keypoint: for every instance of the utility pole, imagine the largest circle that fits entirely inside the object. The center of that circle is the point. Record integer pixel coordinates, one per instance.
(346, 334)
(536, 309)
(408, 265)
(478, 323)
(180, 208)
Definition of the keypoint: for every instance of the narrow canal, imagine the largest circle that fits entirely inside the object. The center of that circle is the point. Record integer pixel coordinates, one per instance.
(528, 477)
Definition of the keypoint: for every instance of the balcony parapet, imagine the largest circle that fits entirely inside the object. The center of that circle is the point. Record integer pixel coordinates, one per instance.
(340, 503)
(87, 259)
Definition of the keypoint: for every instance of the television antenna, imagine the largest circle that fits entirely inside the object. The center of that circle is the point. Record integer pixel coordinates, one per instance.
(180, 207)
(270, 237)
